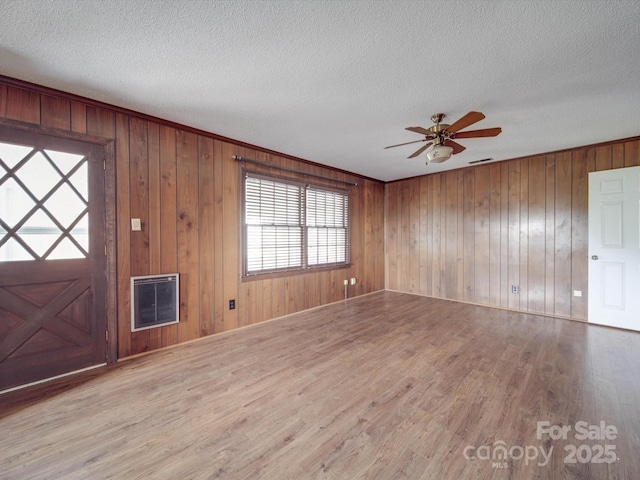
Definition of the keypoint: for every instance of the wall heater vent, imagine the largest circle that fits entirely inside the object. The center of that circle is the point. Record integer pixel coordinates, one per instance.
(154, 301)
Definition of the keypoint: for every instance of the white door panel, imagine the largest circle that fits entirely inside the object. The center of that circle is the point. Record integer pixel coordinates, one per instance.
(614, 248)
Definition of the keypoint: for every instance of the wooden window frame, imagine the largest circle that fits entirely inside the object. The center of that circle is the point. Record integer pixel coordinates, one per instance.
(304, 244)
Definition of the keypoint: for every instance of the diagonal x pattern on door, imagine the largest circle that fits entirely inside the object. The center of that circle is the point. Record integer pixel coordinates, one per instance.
(52, 262)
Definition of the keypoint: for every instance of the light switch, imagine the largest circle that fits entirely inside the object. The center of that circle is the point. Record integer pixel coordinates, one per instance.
(136, 225)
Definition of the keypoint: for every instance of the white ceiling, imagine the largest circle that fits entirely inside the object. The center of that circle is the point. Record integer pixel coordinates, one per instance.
(336, 81)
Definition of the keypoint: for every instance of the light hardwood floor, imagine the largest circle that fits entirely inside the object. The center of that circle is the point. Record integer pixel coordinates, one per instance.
(384, 386)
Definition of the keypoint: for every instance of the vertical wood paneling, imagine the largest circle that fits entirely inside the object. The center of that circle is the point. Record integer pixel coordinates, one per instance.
(514, 232)
(469, 229)
(78, 117)
(290, 295)
(582, 160)
(376, 205)
(267, 297)
(139, 208)
(358, 243)
(632, 154)
(482, 238)
(494, 234)
(154, 199)
(504, 235)
(603, 157)
(460, 236)
(326, 288)
(279, 294)
(524, 236)
(4, 98)
(368, 238)
(617, 155)
(124, 235)
(536, 241)
(391, 253)
(139, 189)
(55, 112)
(218, 264)
(186, 189)
(168, 245)
(562, 235)
(451, 235)
(424, 255)
(414, 235)
(404, 262)
(374, 241)
(300, 299)
(230, 234)
(100, 122)
(519, 222)
(187, 230)
(22, 105)
(206, 233)
(465, 235)
(430, 235)
(437, 235)
(154, 211)
(550, 237)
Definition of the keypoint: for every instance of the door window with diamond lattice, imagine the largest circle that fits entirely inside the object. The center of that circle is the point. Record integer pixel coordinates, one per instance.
(44, 212)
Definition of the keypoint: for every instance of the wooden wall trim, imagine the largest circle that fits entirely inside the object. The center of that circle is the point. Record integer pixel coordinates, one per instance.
(608, 143)
(59, 94)
(54, 132)
(111, 235)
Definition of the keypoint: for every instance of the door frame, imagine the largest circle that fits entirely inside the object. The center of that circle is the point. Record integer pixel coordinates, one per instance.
(110, 233)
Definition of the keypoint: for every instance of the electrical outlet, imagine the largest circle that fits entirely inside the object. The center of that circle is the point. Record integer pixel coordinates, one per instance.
(353, 281)
(136, 225)
(577, 293)
(346, 282)
(515, 289)
(232, 304)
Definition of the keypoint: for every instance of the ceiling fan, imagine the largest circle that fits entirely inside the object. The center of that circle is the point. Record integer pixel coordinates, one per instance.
(441, 136)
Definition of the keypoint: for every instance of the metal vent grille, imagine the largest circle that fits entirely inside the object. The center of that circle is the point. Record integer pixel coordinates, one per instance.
(154, 301)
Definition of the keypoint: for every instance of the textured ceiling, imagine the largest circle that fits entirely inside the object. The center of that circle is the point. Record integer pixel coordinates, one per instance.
(336, 81)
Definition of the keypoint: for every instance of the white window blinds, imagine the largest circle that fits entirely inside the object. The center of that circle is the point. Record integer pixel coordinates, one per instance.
(327, 227)
(293, 226)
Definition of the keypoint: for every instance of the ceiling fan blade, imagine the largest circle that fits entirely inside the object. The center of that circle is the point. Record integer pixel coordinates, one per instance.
(421, 131)
(407, 143)
(469, 119)
(420, 150)
(487, 132)
(457, 148)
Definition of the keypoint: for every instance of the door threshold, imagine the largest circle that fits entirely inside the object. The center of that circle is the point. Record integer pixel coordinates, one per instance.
(44, 380)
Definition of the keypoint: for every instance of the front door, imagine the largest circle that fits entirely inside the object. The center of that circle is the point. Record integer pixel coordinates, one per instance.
(52, 257)
(614, 248)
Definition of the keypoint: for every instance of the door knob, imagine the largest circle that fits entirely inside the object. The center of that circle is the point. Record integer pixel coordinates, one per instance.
(594, 257)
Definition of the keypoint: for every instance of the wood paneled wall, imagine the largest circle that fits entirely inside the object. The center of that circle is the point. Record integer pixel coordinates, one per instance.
(471, 234)
(185, 187)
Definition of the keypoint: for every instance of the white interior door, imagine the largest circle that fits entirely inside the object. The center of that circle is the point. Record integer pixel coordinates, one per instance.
(614, 248)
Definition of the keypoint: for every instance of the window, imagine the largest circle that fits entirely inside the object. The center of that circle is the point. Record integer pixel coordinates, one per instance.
(44, 206)
(289, 225)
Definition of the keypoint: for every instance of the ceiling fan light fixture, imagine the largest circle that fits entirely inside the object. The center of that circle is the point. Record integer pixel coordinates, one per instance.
(439, 153)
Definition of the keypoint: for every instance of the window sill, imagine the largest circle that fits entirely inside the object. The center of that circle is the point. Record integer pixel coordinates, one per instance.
(290, 273)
